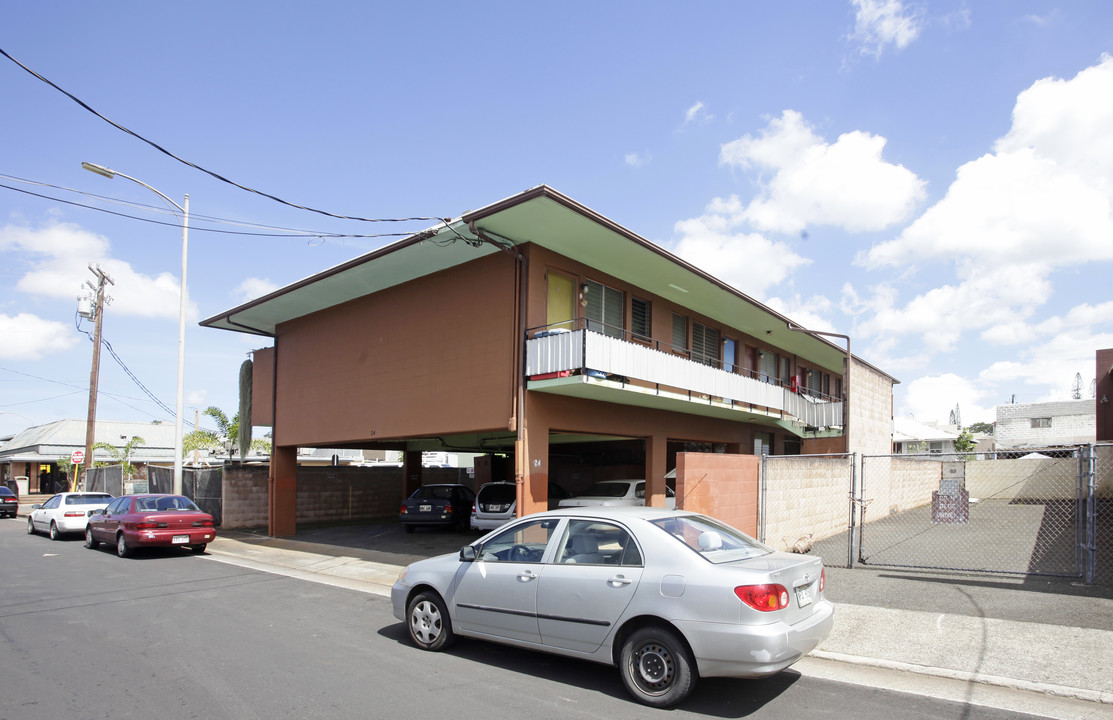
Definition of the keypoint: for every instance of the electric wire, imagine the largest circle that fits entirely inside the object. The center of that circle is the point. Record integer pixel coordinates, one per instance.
(198, 167)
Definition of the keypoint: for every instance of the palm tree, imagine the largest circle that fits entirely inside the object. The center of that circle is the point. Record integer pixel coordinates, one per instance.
(122, 455)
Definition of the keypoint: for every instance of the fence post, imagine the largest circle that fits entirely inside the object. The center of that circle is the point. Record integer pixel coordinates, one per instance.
(761, 500)
(1088, 491)
(853, 490)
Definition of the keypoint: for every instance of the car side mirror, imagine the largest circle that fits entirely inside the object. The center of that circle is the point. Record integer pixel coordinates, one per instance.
(467, 553)
(36, 506)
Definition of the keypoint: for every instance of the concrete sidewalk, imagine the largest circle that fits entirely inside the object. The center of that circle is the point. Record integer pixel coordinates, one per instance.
(971, 639)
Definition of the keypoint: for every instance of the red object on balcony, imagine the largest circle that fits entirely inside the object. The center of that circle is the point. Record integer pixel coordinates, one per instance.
(794, 383)
(550, 376)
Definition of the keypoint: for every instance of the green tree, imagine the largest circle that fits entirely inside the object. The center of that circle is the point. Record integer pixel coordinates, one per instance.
(226, 437)
(965, 441)
(122, 455)
(982, 427)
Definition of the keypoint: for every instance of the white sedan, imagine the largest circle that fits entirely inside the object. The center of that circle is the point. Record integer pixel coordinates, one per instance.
(616, 492)
(66, 512)
(667, 596)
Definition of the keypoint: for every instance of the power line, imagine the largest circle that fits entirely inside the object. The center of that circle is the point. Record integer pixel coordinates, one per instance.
(198, 167)
(291, 234)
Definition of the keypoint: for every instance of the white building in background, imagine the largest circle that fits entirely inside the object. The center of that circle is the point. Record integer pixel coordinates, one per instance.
(911, 436)
(1049, 424)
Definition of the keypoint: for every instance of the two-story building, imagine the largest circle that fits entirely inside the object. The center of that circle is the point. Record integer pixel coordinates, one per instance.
(555, 342)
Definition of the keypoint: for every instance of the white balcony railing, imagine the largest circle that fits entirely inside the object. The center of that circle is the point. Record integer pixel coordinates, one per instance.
(587, 350)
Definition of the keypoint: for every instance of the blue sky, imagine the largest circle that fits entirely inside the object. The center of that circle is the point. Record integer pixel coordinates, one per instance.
(934, 178)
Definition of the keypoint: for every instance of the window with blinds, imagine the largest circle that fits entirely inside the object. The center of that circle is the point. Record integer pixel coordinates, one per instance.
(679, 333)
(640, 318)
(705, 345)
(604, 309)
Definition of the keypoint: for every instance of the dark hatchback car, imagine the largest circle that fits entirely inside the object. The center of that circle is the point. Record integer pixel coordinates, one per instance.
(9, 502)
(438, 505)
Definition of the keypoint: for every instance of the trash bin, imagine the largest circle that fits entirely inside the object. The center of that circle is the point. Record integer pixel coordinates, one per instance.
(21, 484)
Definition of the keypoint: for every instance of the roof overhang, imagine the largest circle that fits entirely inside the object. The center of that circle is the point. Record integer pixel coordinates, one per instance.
(549, 219)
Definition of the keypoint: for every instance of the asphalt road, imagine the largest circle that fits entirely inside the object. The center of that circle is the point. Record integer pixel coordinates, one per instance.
(85, 634)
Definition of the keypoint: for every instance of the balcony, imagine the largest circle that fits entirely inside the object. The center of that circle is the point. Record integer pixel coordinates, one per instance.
(589, 364)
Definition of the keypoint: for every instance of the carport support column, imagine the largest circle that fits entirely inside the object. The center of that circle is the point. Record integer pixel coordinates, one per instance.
(282, 513)
(532, 455)
(411, 472)
(656, 467)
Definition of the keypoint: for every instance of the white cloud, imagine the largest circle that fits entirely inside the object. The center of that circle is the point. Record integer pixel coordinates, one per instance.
(932, 398)
(698, 114)
(59, 255)
(638, 159)
(29, 337)
(252, 288)
(878, 23)
(1042, 201)
(845, 183)
(805, 312)
(749, 262)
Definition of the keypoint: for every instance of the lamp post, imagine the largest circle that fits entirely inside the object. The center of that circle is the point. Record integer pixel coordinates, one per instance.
(101, 170)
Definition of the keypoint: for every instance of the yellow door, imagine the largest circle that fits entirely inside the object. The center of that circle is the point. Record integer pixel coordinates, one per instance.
(560, 302)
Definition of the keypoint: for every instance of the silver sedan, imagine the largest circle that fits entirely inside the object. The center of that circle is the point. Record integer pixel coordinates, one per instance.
(66, 512)
(667, 596)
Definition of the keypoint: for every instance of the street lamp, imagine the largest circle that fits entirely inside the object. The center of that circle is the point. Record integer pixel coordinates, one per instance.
(101, 170)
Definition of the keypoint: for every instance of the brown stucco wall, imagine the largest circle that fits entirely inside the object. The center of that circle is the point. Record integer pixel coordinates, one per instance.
(1104, 389)
(723, 485)
(428, 357)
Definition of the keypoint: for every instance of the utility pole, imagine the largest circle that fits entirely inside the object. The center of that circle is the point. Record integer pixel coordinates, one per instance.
(94, 374)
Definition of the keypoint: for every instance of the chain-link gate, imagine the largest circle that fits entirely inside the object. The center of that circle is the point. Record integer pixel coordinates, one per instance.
(1030, 512)
(108, 479)
(205, 486)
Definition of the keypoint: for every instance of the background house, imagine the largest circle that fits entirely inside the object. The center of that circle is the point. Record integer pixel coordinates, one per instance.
(1044, 425)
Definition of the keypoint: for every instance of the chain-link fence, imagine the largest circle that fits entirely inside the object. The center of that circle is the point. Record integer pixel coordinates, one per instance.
(206, 488)
(806, 504)
(108, 479)
(1030, 512)
(160, 479)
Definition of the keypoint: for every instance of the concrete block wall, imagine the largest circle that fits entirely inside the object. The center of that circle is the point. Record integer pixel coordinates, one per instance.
(911, 483)
(1072, 421)
(871, 411)
(805, 495)
(1023, 479)
(245, 496)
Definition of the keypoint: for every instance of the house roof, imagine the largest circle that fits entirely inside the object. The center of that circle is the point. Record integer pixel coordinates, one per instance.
(912, 430)
(543, 216)
(48, 443)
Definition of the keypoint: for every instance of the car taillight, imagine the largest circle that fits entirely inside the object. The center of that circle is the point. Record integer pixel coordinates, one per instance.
(475, 507)
(402, 510)
(822, 579)
(146, 526)
(204, 523)
(74, 513)
(765, 598)
(448, 508)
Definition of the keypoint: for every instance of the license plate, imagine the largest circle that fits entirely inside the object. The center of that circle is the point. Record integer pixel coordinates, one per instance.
(425, 508)
(804, 595)
(180, 539)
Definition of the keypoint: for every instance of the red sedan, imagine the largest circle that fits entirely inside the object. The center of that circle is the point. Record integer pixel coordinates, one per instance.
(134, 521)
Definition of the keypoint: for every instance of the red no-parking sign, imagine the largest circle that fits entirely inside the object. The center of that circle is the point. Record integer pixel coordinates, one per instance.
(77, 457)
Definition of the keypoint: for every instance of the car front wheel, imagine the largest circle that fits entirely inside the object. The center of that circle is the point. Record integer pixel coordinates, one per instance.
(30, 526)
(657, 667)
(89, 541)
(122, 548)
(430, 627)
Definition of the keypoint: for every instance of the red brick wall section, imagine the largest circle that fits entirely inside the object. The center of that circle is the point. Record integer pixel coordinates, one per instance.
(721, 485)
(1104, 389)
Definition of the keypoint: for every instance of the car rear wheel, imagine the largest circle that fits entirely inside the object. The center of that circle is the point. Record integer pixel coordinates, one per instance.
(89, 541)
(430, 627)
(54, 534)
(657, 667)
(197, 549)
(122, 548)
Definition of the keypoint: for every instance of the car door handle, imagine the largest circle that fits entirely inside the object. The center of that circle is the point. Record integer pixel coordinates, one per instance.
(526, 576)
(619, 581)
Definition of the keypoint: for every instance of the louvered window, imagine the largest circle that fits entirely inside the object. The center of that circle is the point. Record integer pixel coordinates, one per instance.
(679, 333)
(705, 345)
(604, 309)
(640, 318)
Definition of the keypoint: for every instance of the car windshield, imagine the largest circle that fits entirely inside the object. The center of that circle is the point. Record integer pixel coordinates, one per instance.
(714, 541)
(498, 493)
(606, 489)
(167, 503)
(91, 499)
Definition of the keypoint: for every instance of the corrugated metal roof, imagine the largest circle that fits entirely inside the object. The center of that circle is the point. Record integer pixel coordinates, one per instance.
(62, 437)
